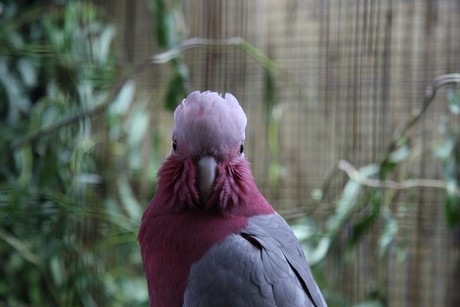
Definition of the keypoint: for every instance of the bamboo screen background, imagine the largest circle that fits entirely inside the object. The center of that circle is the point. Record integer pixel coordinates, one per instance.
(349, 74)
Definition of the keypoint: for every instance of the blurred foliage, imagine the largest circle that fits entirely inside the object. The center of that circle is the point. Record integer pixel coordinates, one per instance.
(69, 153)
(70, 164)
(169, 31)
(369, 198)
(448, 151)
(273, 114)
(170, 34)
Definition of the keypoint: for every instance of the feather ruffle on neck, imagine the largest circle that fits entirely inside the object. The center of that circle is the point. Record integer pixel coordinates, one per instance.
(235, 193)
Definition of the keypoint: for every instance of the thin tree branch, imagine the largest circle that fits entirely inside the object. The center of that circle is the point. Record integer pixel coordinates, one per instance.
(430, 93)
(353, 174)
(71, 119)
(194, 42)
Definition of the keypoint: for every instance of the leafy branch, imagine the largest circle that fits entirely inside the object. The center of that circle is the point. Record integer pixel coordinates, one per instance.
(89, 113)
(417, 113)
(368, 195)
(67, 208)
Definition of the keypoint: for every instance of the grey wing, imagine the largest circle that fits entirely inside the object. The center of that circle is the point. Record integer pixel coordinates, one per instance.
(272, 230)
(252, 268)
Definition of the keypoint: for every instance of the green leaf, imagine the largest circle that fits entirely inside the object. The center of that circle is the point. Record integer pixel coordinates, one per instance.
(17, 101)
(270, 95)
(25, 164)
(135, 290)
(445, 149)
(452, 205)
(317, 194)
(400, 154)
(123, 101)
(164, 24)
(128, 200)
(176, 88)
(366, 222)
(102, 46)
(28, 72)
(349, 199)
(137, 125)
(304, 229)
(20, 247)
(82, 147)
(57, 270)
(389, 232)
(453, 101)
(259, 56)
(320, 251)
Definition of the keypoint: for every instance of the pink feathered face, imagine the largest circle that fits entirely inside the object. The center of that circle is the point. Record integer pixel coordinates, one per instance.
(209, 124)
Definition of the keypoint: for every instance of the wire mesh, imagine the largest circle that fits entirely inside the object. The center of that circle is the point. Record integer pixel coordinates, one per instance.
(349, 73)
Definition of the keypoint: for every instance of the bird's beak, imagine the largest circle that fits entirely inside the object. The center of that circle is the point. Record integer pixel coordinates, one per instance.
(207, 167)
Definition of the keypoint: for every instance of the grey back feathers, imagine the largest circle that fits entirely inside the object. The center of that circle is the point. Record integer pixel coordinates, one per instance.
(263, 265)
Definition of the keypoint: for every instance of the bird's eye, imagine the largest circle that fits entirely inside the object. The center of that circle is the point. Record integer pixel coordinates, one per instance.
(174, 145)
(241, 149)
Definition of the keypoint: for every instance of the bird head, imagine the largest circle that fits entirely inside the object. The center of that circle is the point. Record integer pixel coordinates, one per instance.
(208, 124)
(208, 129)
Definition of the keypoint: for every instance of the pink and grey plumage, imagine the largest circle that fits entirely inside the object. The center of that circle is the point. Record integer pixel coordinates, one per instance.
(208, 237)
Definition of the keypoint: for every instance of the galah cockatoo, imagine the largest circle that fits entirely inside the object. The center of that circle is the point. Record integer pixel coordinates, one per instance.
(209, 237)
